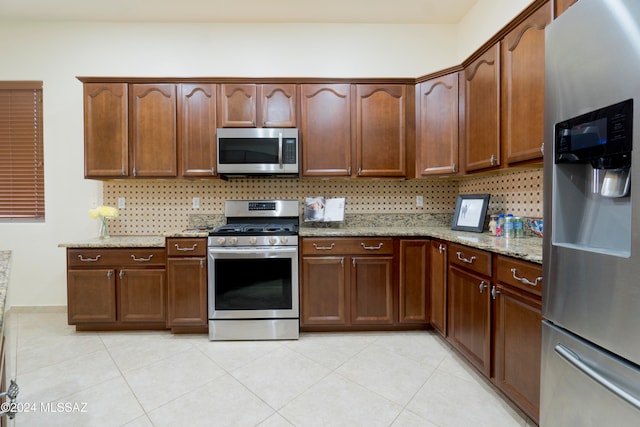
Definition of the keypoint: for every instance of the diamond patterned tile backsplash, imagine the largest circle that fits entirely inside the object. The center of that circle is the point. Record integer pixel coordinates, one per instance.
(158, 206)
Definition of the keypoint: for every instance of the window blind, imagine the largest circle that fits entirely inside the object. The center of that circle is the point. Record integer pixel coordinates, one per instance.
(21, 150)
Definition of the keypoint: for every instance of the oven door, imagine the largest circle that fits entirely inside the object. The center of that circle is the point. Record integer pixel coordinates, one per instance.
(253, 283)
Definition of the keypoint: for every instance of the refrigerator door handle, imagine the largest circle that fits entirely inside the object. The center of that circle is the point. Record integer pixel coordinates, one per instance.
(574, 359)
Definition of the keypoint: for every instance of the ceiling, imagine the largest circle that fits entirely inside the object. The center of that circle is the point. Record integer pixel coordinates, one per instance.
(251, 11)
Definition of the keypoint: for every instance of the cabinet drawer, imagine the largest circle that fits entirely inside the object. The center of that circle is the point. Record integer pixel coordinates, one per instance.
(186, 246)
(138, 257)
(358, 246)
(472, 259)
(520, 274)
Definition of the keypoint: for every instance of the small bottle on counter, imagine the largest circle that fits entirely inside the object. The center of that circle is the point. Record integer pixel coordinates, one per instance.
(500, 226)
(493, 224)
(509, 230)
(518, 226)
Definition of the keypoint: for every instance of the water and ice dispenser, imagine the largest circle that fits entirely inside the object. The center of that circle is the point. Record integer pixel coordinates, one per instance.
(592, 180)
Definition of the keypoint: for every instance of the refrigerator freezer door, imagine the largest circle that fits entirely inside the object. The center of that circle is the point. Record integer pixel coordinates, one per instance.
(582, 385)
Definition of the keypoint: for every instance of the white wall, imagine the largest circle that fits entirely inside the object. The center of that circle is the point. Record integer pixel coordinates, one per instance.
(57, 53)
(483, 21)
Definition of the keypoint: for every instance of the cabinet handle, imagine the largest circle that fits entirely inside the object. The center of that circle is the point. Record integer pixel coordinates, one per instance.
(353, 262)
(494, 292)
(253, 123)
(342, 262)
(135, 172)
(202, 263)
(121, 274)
(360, 171)
(493, 160)
(213, 171)
(467, 260)
(83, 259)
(441, 248)
(483, 286)
(372, 248)
(349, 171)
(542, 148)
(324, 248)
(454, 168)
(524, 279)
(193, 248)
(133, 257)
(123, 172)
(109, 274)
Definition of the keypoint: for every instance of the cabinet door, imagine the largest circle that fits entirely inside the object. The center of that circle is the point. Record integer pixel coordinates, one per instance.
(153, 130)
(237, 105)
(518, 335)
(469, 321)
(141, 295)
(371, 290)
(438, 286)
(187, 292)
(437, 144)
(523, 88)
(380, 130)
(105, 130)
(197, 129)
(323, 291)
(278, 105)
(326, 129)
(91, 296)
(414, 281)
(482, 111)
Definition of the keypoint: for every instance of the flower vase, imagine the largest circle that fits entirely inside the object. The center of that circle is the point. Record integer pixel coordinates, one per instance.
(104, 229)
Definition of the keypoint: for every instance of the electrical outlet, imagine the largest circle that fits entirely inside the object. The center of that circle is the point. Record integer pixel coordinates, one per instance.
(419, 201)
(195, 203)
(121, 203)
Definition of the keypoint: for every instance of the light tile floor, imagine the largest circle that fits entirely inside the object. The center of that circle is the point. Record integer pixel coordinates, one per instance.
(70, 378)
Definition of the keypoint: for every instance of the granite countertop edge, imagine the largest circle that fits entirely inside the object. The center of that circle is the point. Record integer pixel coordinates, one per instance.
(525, 248)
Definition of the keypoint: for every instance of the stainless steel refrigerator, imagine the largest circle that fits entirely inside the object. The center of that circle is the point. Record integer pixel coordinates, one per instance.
(591, 303)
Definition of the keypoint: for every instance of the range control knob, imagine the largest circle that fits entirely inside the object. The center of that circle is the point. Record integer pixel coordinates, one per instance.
(233, 241)
(284, 240)
(253, 240)
(273, 240)
(220, 240)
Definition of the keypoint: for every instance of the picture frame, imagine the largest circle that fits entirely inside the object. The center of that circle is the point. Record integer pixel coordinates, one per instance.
(470, 213)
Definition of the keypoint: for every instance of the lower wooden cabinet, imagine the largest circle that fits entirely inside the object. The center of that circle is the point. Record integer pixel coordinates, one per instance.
(517, 333)
(116, 288)
(413, 301)
(438, 286)
(347, 283)
(187, 284)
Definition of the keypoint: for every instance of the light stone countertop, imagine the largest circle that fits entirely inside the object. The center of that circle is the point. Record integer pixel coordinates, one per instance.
(5, 261)
(527, 248)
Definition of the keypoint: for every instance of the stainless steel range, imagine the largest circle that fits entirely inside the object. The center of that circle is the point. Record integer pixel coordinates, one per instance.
(253, 272)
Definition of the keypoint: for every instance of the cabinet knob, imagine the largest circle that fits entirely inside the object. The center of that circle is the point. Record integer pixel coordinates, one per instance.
(483, 286)
(121, 274)
(109, 274)
(349, 171)
(494, 292)
(493, 160)
(542, 148)
(360, 171)
(454, 168)
(441, 248)
(202, 263)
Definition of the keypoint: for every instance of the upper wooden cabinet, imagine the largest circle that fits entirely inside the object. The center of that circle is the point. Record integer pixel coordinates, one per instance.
(197, 129)
(380, 130)
(437, 126)
(481, 82)
(561, 5)
(255, 105)
(106, 139)
(237, 105)
(153, 142)
(325, 129)
(523, 88)
(278, 107)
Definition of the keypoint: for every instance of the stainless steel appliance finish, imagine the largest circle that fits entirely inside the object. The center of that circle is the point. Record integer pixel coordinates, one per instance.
(257, 151)
(591, 299)
(253, 272)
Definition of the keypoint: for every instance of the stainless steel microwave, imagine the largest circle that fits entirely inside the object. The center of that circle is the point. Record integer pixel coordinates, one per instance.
(257, 151)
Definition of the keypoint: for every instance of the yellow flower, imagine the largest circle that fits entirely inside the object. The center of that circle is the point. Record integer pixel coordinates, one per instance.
(103, 212)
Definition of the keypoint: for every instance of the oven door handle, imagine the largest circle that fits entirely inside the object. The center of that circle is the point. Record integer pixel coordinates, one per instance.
(280, 150)
(252, 252)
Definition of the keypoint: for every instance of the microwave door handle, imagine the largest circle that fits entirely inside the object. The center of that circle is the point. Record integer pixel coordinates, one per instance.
(280, 149)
